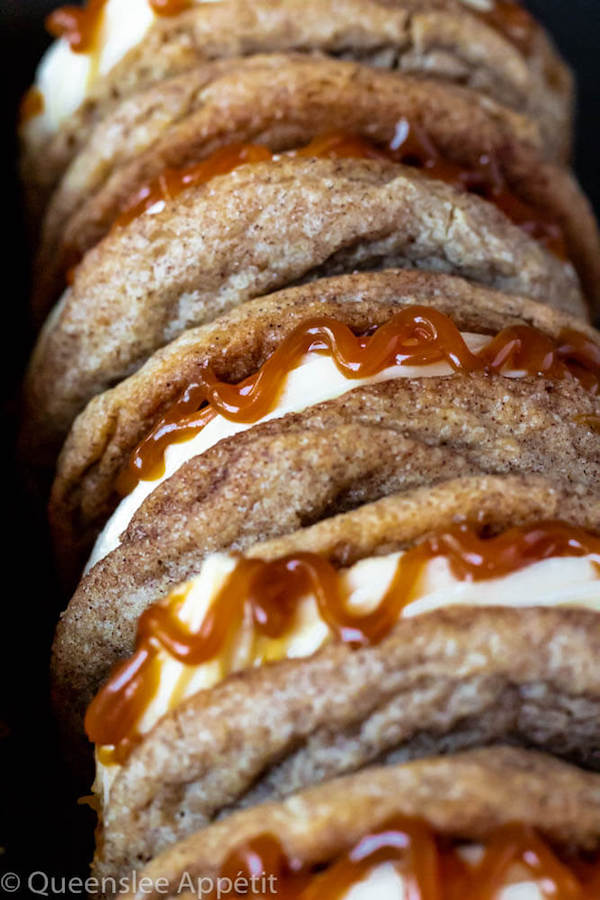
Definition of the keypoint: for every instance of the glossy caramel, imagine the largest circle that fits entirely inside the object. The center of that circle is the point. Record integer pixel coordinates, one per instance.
(170, 7)
(414, 148)
(32, 105)
(430, 864)
(415, 336)
(268, 593)
(77, 24)
(172, 182)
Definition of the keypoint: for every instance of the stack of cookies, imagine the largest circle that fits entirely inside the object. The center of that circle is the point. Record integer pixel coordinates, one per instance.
(318, 398)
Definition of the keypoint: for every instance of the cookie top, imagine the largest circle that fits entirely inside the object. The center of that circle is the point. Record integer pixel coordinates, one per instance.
(371, 442)
(443, 38)
(441, 680)
(293, 99)
(467, 795)
(235, 346)
(264, 226)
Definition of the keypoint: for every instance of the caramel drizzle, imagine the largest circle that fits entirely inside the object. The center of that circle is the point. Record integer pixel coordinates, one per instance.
(170, 7)
(268, 593)
(415, 150)
(415, 336)
(79, 24)
(172, 181)
(430, 864)
(32, 105)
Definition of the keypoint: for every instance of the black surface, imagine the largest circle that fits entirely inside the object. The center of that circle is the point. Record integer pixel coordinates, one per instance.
(41, 826)
(575, 26)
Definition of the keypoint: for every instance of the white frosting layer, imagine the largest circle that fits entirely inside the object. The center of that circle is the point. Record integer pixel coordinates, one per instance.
(569, 581)
(314, 381)
(66, 78)
(385, 882)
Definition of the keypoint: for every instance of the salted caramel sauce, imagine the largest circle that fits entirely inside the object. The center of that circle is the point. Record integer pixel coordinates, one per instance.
(267, 594)
(405, 841)
(582, 355)
(411, 146)
(517, 844)
(32, 105)
(172, 182)
(545, 230)
(430, 865)
(415, 336)
(77, 24)
(170, 7)
(588, 872)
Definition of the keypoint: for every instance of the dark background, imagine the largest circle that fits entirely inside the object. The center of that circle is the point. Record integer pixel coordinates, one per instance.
(41, 827)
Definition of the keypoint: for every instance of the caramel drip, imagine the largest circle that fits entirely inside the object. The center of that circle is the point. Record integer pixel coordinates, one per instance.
(588, 872)
(514, 844)
(268, 593)
(512, 20)
(172, 182)
(411, 146)
(415, 336)
(582, 355)
(430, 865)
(538, 225)
(78, 25)
(32, 105)
(455, 872)
(170, 7)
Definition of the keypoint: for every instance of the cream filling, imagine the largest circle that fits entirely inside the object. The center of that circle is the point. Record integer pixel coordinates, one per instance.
(386, 882)
(66, 79)
(315, 380)
(568, 581)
